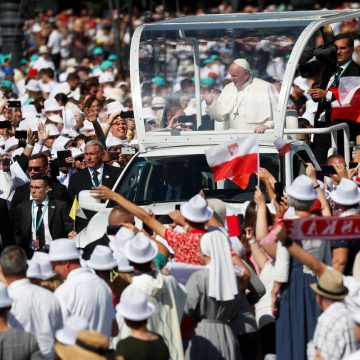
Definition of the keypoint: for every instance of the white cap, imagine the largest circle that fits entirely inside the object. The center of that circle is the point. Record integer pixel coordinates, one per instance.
(102, 258)
(148, 114)
(302, 189)
(51, 104)
(52, 129)
(33, 85)
(43, 49)
(301, 83)
(134, 305)
(347, 193)
(56, 119)
(33, 271)
(75, 152)
(63, 249)
(5, 299)
(11, 144)
(68, 334)
(140, 249)
(28, 110)
(242, 63)
(106, 77)
(196, 209)
(114, 106)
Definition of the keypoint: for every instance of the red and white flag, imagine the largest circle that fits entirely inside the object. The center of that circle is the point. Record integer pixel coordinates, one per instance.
(282, 146)
(235, 160)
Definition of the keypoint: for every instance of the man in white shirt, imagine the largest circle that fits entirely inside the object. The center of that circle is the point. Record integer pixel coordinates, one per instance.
(246, 103)
(43, 62)
(35, 309)
(83, 293)
(54, 44)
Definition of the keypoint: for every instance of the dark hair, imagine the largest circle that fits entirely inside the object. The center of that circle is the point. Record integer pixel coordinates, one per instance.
(135, 324)
(348, 37)
(61, 98)
(73, 76)
(144, 268)
(43, 177)
(13, 261)
(251, 214)
(39, 156)
(88, 102)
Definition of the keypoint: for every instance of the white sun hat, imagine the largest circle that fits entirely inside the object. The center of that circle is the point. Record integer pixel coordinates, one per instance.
(28, 110)
(75, 152)
(33, 85)
(5, 299)
(102, 258)
(63, 249)
(347, 193)
(51, 104)
(56, 119)
(106, 77)
(196, 209)
(46, 268)
(33, 271)
(302, 188)
(134, 305)
(114, 106)
(68, 334)
(52, 129)
(123, 264)
(140, 249)
(118, 242)
(11, 144)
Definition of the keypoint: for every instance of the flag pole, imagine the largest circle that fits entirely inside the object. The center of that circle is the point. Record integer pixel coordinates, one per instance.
(258, 173)
(74, 222)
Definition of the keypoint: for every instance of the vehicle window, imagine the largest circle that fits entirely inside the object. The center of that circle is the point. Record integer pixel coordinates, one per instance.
(161, 179)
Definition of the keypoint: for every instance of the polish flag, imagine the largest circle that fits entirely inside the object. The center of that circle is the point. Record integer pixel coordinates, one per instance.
(282, 146)
(236, 160)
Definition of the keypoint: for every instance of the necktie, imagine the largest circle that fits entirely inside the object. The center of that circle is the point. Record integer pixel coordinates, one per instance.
(95, 178)
(336, 81)
(40, 230)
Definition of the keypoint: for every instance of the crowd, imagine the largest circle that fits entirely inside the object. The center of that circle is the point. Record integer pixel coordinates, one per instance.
(189, 290)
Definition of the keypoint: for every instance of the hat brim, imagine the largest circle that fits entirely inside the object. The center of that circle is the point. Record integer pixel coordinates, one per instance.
(314, 287)
(4, 304)
(74, 352)
(64, 257)
(339, 200)
(121, 309)
(186, 212)
(60, 335)
(289, 191)
(102, 267)
(143, 259)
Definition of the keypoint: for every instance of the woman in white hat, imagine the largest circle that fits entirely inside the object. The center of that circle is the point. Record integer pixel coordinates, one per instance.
(142, 344)
(213, 300)
(291, 286)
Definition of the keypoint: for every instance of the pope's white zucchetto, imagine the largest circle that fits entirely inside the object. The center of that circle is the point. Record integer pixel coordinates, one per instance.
(242, 63)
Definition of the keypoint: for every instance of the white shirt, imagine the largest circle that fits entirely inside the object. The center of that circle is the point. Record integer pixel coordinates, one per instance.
(34, 209)
(38, 311)
(54, 42)
(100, 171)
(85, 294)
(42, 63)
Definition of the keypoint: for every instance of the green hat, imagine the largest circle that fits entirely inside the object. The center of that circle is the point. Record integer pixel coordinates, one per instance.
(208, 61)
(23, 61)
(112, 57)
(34, 57)
(159, 80)
(214, 56)
(98, 51)
(208, 81)
(106, 65)
(6, 84)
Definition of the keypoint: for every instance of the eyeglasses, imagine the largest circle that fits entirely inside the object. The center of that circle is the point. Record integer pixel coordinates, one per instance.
(35, 168)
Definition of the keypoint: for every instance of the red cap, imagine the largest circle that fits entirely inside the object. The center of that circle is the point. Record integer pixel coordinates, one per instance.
(32, 72)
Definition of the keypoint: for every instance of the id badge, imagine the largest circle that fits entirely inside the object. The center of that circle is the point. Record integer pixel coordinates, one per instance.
(35, 244)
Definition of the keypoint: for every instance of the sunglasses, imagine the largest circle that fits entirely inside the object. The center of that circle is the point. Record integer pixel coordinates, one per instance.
(79, 158)
(35, 168)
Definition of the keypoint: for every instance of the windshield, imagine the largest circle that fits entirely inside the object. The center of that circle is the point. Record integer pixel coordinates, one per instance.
(178, 178)
(168, 73)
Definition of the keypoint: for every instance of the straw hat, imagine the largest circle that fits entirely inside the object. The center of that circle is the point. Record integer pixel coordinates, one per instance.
(140, 249)
(347, 193)
(219, 209)
(89, 345)
(196, 210)
(302, 189)
(134, 305)
(330, 285)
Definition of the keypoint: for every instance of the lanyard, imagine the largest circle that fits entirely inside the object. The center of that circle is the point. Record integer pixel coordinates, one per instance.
(33, 216)
(92, 179)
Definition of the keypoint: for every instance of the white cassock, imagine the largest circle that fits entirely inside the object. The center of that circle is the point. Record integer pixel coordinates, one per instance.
(245, 109)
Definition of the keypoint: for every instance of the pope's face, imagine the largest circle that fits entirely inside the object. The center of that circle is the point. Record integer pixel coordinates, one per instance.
(238, 75)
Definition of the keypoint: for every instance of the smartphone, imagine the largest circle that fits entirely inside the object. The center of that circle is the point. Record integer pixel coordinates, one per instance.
(279, 191)
(14, 104)
(61, 156)
(353, 165)
(177, 207)
(114, 155)
(164, 219)
(113, 229)
(328, 169)
(185, 119)
(21, 134)
(5, 125)
(128, 150)
(127, 114)
(36, 135)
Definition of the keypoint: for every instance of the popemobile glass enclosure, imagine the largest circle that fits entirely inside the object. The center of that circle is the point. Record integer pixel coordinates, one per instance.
(175, 62)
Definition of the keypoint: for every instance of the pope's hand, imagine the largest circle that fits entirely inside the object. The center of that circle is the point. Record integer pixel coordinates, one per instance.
(261, 129)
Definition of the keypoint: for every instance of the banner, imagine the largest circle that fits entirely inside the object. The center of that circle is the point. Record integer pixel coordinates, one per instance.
(324, 228)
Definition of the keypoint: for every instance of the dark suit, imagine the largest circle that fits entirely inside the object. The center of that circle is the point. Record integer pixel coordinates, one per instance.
(6, 234)
(58, 191)
(89, 248)
(59, 222)
(322, 142)
(82, 181)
